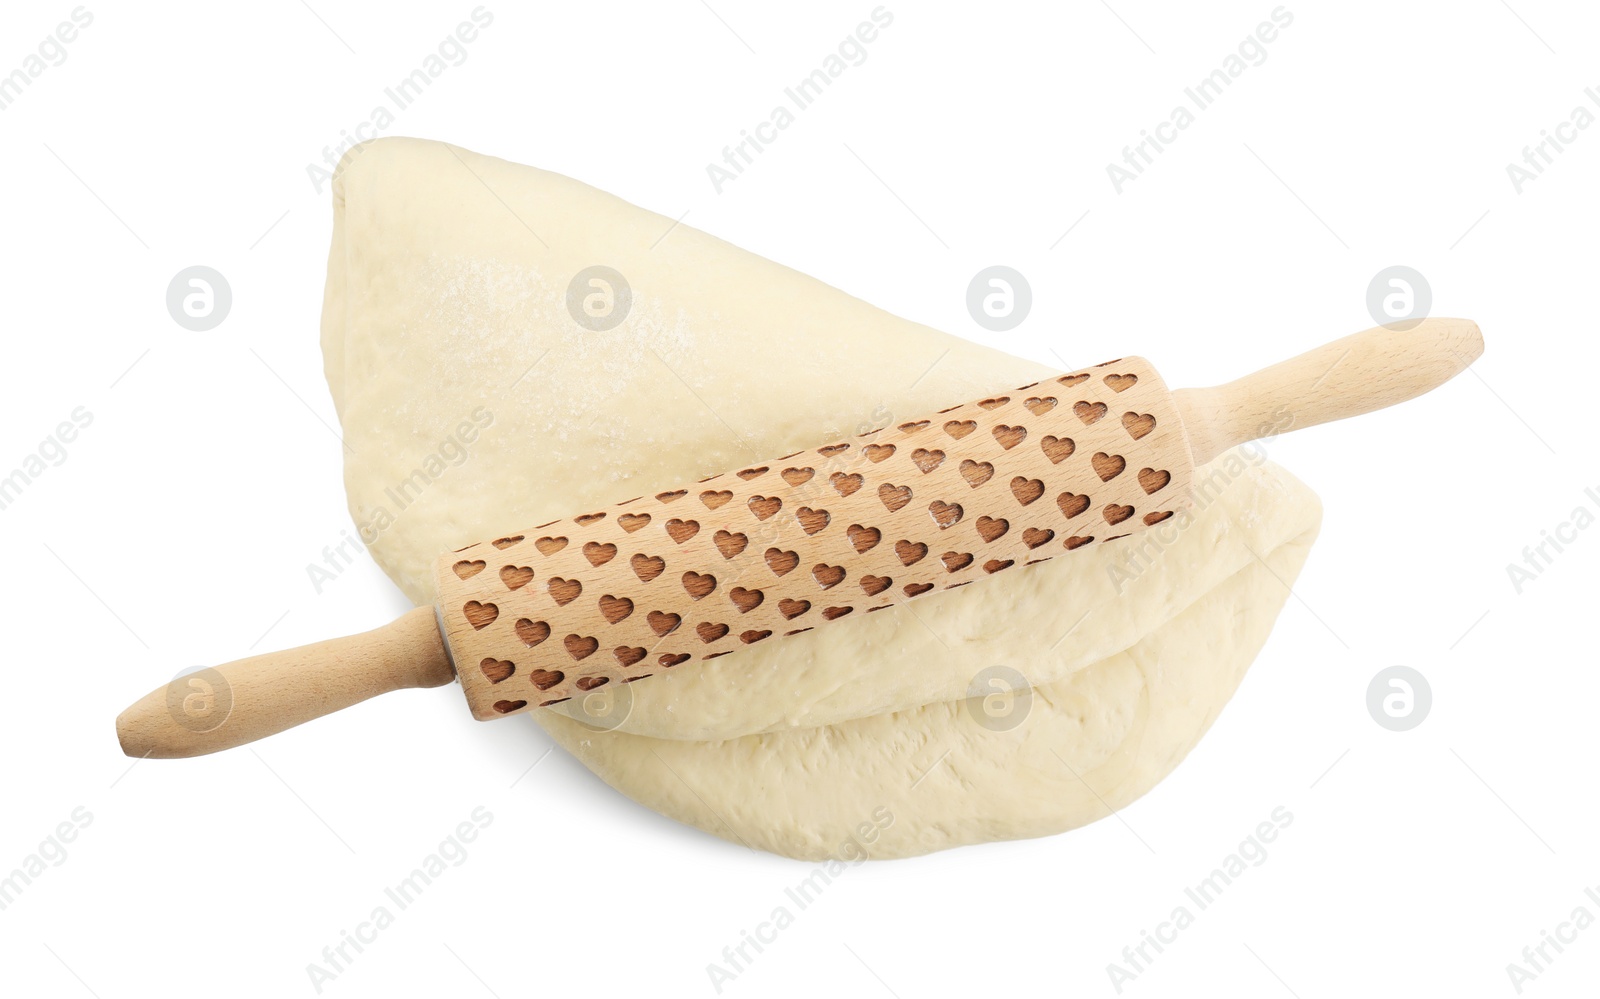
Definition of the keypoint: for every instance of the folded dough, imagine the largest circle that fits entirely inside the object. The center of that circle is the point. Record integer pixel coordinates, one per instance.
(474, 403)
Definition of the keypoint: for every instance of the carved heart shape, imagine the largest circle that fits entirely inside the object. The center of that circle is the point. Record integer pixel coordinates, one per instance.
(631, 522)
(580, 646)
(960, 428)
(751, 637)
(1009, 437)
(648, 567)
(1026, 490)
(1138, 424)
(1033, 537)
(547, 546)
(563, 591)
(699, 585)
(532, 632)
(833, 449)
(1071, 380)
(544, 679)
(1057, 449)
(828, 576)
(752, 473)
(682, 530)
(927, 460)
(834, 613)
(497, 669)
(955, 561)
(730, 544)
(591, 682)
(746, 600)
(1077, 542)
(1116, 513)
(894, 497)
(781, 562)
(844, 484)
(791, 609)
(709, 632)
(1156, 518)
(976, 472)
(1089, 412)
(480, 616)
(713, 498)
(1038, 406)
(1108, 466)
(877, 452)
(663, 623)
(812, 521)
(628, 655)
(910, 552)
(994, 565)
(614, 609)
(945, 514)
(765, 506)
(599, 554)
(990, 528)
(1121, 383)
(673, 659)
(516, 576)
(994, 403)
(1072, 504)
(504, 543)
(917, 589)
(874, 585)
(671, 495)
(911, 428)
(1151, 480)
(864, 538)
(466, 570)
(798, 476)
(589, 518)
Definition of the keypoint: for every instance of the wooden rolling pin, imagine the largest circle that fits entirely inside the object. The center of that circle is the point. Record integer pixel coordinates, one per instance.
(660, 581)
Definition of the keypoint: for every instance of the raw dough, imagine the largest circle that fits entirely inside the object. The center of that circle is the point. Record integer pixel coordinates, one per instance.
(474, 404)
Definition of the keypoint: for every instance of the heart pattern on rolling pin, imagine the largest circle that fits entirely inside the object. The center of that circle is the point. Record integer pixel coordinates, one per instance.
(697, 571)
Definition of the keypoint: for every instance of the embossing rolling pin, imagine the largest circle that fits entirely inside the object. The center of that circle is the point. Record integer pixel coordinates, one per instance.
(660, 582)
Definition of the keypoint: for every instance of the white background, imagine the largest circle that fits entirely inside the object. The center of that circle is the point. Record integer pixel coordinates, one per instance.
(178, 529)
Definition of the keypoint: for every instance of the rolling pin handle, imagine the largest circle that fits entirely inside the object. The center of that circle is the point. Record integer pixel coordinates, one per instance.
(226, 706)
(1358, 374)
